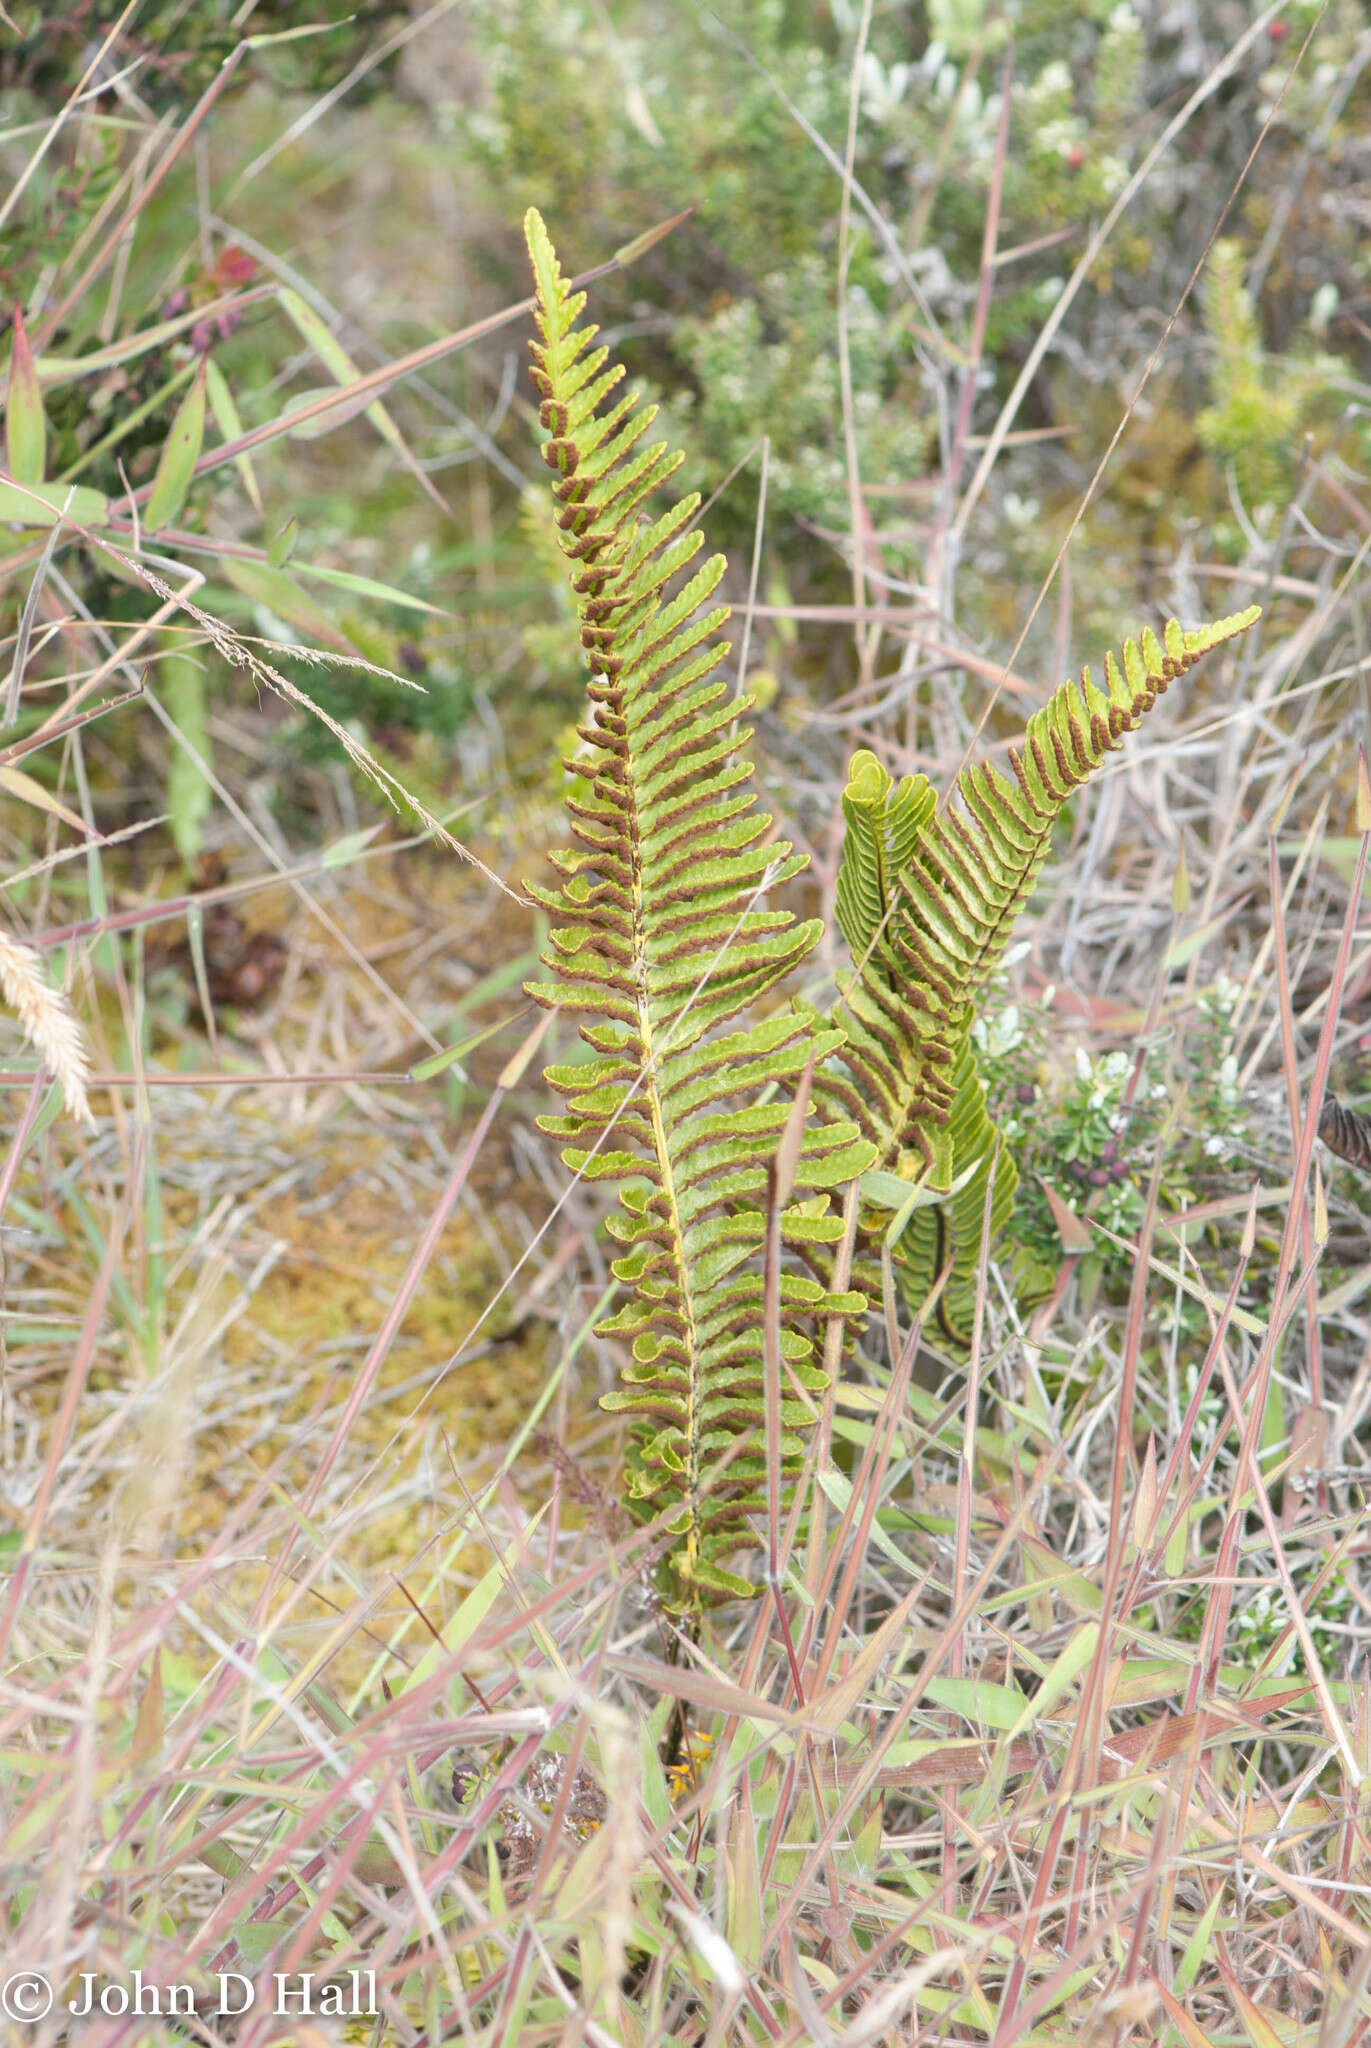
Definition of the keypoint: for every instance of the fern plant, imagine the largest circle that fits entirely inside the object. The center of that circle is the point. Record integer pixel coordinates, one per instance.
(927, 898)
(662, 942)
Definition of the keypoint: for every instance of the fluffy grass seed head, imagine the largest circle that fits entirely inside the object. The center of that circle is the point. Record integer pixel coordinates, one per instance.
(47, 1021)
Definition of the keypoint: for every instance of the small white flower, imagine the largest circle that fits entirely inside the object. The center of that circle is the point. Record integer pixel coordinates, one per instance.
(1020, 511)
(1052, 81)
(1323, 306)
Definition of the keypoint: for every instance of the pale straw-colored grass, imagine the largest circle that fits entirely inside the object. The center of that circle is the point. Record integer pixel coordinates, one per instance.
(48, 1023)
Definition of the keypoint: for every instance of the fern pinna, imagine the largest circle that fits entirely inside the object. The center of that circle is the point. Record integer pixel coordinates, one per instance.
(927, 897)
(660, 942)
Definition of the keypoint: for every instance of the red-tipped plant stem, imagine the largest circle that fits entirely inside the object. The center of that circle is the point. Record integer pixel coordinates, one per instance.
(1087, 1729)
(404, 1294)
(941, 559)
(77, 1375)
(855, 506)
(858, 1789)
(373, 383)
(1290, 1067)
(1180, 1450)
(1283, 1301)
(834, 1345)
(853, 1533)
(780, 1181)
(961, 1564)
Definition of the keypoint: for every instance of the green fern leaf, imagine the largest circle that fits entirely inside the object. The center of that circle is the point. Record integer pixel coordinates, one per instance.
(661, 939)
(927, 899)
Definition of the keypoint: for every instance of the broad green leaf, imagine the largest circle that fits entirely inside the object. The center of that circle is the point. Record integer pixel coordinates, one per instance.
(468, 1617)
(25, 423)
(179, 456)
(652, 1785)
(1071, 1586)
(155, 402)
(188, 792)
(449, 1057)
(45, 504)
(257, 1938)
(892, 1191)
(341, 853)
(1059, 1678)
(838, 1488)
(366, 586)
(282, 545)
(1260, 2030)
(978, 1701)
(1185, 948)
(1342, 855)
(1197, 1948)
(230, 426)
(743, 1880)
(335, 358)
(1177, 1545)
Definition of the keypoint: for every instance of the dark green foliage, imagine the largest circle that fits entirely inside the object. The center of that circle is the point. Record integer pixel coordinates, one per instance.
(629, 113)
(927, 899)
(64, 197)
(1261, 408)
(662, 945)
(176, 48)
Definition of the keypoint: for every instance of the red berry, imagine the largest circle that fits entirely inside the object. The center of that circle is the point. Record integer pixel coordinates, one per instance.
(1075, 157)
(1278, 31)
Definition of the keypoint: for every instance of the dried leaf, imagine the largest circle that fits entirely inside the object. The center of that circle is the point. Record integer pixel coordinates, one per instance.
(30, 792)
(1074, 1234)
(1145, 1500)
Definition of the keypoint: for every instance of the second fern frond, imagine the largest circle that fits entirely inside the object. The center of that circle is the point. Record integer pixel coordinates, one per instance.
(927, 899)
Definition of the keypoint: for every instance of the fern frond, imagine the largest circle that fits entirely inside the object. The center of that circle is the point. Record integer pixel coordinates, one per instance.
(927, 899)
(662, 939)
